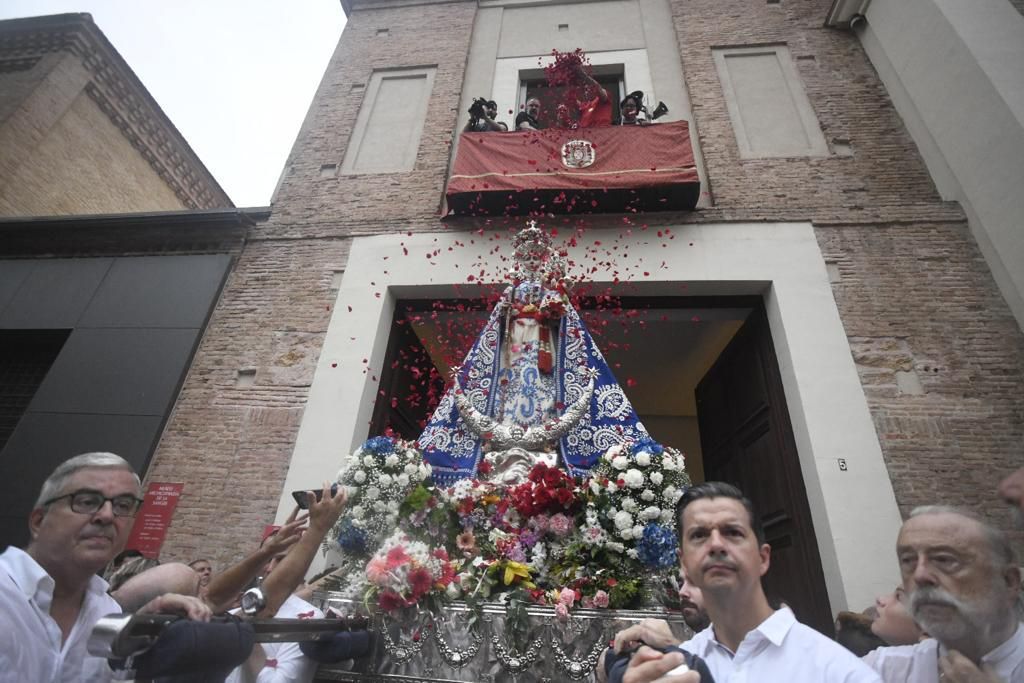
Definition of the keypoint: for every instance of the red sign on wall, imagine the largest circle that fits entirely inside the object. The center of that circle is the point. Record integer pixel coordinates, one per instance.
(154, 518)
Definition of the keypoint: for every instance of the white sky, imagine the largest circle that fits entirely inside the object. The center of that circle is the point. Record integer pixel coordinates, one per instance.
(234, 76)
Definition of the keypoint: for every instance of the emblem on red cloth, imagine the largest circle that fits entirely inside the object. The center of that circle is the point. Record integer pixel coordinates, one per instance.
(578, 154)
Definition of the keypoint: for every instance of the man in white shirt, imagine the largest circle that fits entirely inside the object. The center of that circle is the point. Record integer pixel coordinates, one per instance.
(963, 585)
(50, 595)
(723, 552)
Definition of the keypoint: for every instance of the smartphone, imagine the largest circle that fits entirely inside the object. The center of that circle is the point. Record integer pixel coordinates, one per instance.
(302, 497)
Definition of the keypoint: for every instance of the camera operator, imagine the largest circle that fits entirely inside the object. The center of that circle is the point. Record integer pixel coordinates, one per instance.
(481, 117)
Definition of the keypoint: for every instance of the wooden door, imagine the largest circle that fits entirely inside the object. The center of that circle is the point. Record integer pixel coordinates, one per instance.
(747, 440)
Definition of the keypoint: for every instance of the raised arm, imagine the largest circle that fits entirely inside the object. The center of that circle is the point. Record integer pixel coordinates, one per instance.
(289, 573)
(225, 586)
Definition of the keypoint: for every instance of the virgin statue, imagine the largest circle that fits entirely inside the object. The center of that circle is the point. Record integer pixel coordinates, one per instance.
(533, 388)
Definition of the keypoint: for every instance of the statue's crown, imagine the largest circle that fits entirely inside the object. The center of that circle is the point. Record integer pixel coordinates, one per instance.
(534, 258)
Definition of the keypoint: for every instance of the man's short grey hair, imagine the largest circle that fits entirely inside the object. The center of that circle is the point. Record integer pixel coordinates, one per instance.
(1002, 549)
(54, 484)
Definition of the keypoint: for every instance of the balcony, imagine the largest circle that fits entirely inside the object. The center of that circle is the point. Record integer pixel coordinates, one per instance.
(613, 169)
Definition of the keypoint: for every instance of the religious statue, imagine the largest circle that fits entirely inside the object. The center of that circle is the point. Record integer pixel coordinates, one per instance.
(534, 386)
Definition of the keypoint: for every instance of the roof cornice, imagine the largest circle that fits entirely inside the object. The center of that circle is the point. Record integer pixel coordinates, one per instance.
(122, 97)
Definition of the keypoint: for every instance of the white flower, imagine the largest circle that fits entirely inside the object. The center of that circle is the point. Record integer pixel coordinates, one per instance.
(629, 505)
(666, 516)
(626, 534)
(425, 470)
(657, 478)
(368, 460)
(612, 487)
(595, 488)
(643, 458)
(372, 493)
(613, 452)
(638, 531)
(359, 476)
(623, 520)
(669, 493)
(378, 506)
(620, 462)
(453, 592)
(615, 546)
(633, 552)
(391, 460)
(668, 463)
(634, 478)
(392, 506)
(402, 479)
(411, 469)
(385, 480)
(652, 512)
(647, 495)
(356, 512)
(391, 519)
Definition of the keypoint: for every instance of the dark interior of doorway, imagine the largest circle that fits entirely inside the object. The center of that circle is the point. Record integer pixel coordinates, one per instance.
(703, 376)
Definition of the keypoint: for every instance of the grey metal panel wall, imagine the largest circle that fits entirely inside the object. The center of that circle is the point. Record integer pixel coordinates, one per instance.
(135, 323)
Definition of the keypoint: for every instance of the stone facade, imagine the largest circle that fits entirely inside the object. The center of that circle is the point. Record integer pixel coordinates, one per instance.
(80, 133)
(940, 357)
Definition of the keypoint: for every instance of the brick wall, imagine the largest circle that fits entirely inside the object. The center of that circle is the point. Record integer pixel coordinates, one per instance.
(229, 443)
(913, 293)
(940, 357)
(421, 36)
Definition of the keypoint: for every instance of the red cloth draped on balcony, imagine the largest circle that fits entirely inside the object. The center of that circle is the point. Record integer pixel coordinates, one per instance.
(586, 170)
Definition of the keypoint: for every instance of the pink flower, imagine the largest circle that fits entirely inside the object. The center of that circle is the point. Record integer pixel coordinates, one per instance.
(377, 571)
(567, 597)
(600, 599)
(466, 542)
(562, 612)
(560, 525)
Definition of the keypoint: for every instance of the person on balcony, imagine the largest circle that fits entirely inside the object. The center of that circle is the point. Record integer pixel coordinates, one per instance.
(529, 118)
(629, 109)
(481, 118)
(597, 111)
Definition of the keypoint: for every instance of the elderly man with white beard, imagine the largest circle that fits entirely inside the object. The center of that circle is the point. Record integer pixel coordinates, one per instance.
(963, 585)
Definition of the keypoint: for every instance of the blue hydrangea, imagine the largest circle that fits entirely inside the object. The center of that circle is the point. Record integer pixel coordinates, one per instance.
(379, 446)
(657, 547)
(351, 538)
(649, 446)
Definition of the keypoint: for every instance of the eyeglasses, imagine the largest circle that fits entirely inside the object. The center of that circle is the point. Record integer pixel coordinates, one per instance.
(87, 502)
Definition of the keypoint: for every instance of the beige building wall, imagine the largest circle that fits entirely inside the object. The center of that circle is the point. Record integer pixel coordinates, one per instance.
(80, 134)
(959, 86)
(84, 164)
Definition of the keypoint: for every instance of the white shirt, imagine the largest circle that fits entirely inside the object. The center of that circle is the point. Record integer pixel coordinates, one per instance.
(920, 663)
(780, 650)
(285, 661)
(30, 639)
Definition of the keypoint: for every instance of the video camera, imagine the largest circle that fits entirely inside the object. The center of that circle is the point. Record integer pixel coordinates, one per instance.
(478, 110)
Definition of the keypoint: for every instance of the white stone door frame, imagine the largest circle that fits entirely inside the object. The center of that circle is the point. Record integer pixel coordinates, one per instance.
(854, 510)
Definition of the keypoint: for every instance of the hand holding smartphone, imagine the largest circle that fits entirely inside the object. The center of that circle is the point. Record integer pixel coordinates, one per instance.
(302, 497)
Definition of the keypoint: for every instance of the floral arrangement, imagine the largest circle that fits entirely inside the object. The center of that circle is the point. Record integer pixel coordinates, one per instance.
(378, 477)
(406, 572)
(633, 495)
(551, 540)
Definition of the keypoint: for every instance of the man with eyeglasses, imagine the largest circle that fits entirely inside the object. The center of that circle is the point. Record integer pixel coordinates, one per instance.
(50, 594)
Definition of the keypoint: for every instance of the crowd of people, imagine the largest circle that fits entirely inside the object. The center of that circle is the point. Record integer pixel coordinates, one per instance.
(52, 595)
(956, 617)
(596, 109)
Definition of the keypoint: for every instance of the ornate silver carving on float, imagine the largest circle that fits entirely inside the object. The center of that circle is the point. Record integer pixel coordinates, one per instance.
(577, 669)
(460, 649)
(457, 658)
